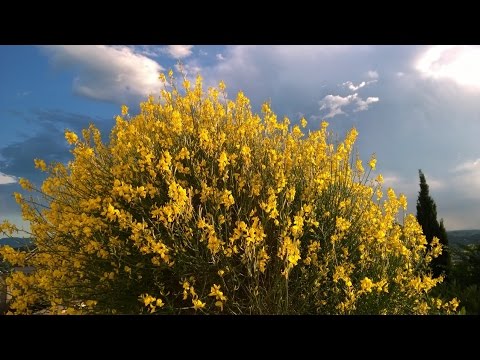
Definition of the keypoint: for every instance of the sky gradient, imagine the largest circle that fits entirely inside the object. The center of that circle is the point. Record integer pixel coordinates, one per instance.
(416, 107)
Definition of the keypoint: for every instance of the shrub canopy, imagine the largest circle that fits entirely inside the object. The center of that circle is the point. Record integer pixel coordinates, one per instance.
(198, 205)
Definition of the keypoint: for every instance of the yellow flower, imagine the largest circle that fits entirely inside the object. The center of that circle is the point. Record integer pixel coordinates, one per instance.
(215, 292)
(71, 137)
(403, 201)
(373, 162)
(222, 161)
(221, 86)
(290, 196)
(366, 284)
(454, 303)
(197, 304)
(25, 184)
(40, 164)
(148, 299)
(159, 303)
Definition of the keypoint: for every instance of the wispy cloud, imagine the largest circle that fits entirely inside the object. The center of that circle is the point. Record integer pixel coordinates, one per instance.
(7, 179)
(220, 57)
(352, 87)
(110, 73)
(466, 178)
(372, 74)
(23, 93)
(47, 142)
(467, 166)
(179, 51)
(148, 50)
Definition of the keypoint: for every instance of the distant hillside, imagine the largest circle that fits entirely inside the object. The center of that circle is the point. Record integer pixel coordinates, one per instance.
(15, 242)
(463, 237)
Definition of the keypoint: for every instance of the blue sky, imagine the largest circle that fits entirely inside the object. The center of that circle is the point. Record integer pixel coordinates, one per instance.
(416, 107)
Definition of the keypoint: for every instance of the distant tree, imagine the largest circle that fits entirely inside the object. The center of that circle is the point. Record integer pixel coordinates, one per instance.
(427, 218)
(467, 265)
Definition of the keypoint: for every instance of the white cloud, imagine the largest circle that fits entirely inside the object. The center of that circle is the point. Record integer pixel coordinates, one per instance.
(334, 104)
(352, 87)
(459, 63)
(469, 165)
(436, 184)
(111, 73)
(148, 50)
(289, 64)
(179, 51)
(7, 179)
(220, 57)
(466, 179)
(398, 183)
(400, 74)
(362, 105)
(372, 74)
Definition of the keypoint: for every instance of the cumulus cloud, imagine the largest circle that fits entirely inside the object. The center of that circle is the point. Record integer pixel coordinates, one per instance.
(290, 75)
(109, 73)
(459, 63)
(220, 57)
(362, 105)
(179, 51)
(334, 104)
(7, 179)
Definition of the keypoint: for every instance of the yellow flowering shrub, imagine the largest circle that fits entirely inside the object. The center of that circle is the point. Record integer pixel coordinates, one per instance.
(198, 205)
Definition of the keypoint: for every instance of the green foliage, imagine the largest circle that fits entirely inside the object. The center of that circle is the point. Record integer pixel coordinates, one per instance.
(427, 218)
(464, 278)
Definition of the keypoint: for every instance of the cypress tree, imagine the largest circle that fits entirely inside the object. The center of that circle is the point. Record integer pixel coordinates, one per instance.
(427, 218)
